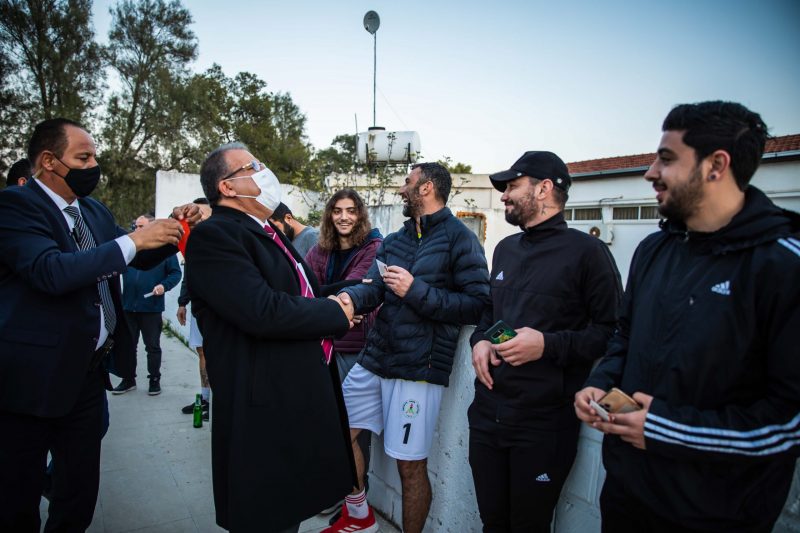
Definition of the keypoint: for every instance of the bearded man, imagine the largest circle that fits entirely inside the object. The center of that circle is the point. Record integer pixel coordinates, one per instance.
(558, 288)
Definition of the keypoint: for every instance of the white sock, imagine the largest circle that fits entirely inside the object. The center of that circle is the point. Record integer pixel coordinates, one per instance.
(357, 505)
(205, 392)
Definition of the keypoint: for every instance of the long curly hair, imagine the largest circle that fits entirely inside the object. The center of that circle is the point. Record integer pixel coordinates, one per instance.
(328, 238)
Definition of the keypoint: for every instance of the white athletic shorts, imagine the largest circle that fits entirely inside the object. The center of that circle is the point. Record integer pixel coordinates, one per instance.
(406, 410)
(195, 338)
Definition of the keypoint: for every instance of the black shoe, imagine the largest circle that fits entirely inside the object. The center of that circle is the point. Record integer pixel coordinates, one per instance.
(155, 387)
(189, 409)
(124, 386)
(205, 415)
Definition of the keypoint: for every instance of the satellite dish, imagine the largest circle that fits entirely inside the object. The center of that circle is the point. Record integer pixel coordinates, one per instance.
(372, 22)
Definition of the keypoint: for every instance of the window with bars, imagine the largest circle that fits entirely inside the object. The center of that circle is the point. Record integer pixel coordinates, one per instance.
(626, 213)
(588, 213)
(650, 212)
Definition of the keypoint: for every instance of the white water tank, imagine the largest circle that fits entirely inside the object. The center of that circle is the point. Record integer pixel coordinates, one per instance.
(380, 146)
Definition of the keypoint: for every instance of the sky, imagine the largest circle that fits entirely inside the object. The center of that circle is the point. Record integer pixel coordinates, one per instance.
(482, 82)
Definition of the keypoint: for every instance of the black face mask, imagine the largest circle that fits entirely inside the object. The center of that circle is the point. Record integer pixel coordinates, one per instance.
(82, 181)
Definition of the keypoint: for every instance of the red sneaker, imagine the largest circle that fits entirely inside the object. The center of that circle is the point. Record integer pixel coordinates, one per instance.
(347, 524)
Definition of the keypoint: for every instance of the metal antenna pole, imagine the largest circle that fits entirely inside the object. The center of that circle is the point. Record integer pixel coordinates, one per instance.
(374, 74)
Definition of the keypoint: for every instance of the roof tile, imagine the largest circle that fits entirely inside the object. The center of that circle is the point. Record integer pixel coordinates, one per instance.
(776, 144)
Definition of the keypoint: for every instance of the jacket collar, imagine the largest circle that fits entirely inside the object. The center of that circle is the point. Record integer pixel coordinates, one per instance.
(760, 221)
(427, 222)
(548, 227)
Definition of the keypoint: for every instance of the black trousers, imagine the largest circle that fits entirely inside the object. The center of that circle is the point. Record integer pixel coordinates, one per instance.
(518, 475)
(74, 441)
(149, 324)
(622, 512)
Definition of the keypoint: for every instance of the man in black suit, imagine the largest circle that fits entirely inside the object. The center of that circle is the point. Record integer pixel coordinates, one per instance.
(280, 448)
(61, 254)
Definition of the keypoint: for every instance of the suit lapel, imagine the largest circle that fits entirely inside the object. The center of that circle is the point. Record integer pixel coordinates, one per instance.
(59, 222)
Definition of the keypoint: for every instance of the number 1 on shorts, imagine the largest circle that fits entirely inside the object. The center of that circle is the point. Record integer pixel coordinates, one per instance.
(407, 427)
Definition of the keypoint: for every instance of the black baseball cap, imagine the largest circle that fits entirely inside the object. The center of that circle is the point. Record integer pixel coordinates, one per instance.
(539, 165)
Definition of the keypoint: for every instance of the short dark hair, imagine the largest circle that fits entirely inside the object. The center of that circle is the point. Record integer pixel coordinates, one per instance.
(20, 169)
(719, 125)
(439, 176)
(559, 195)
(328, 238)
(214, 168)
(50, 135)
(280, 212)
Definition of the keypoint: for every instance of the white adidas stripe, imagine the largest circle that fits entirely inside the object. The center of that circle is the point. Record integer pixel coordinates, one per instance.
(792, 244)
(719, 432)
(768, 451)
(760, 443)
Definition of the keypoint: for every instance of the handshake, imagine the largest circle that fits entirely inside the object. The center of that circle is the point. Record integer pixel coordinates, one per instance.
(343, 299)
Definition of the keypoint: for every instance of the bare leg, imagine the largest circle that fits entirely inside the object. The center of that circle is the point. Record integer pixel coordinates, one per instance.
(416, 494)
(203, 374)
(359, 458)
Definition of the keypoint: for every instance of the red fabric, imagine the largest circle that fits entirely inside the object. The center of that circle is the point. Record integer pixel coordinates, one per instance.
(186, 231)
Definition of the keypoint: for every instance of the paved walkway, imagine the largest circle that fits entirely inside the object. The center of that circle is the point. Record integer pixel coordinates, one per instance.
(155, 468)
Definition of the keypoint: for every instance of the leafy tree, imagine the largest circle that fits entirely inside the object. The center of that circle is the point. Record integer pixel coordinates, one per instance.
(150, 47)
(50, 66)
(51, 45)
(455, 168)
(14, 118)
(241, 109)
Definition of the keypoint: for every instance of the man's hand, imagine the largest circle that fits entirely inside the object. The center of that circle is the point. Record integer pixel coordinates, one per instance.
(583, 410)
(398, 279)
(181, 315)
(190, 212)
(629, 426)
(527, 346)
(158, 290)
(156, 234)
(347, 306)
(482, 355)
(357, 319)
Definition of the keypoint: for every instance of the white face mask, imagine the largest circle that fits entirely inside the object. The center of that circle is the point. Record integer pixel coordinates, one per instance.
(270, 195)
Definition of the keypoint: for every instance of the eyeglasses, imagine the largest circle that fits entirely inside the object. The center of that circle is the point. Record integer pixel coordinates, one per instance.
(254, 164)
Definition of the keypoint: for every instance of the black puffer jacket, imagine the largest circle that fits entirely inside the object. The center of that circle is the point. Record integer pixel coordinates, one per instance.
(708, 327)
(415, 337)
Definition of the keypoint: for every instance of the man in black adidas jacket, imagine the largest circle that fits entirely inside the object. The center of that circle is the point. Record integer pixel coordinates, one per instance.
(707, 341)
(559, 288)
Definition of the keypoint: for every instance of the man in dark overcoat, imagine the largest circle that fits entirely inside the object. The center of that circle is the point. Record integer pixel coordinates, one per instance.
(280, 444)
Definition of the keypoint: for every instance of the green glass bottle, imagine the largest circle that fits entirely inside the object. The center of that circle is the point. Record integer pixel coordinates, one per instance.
(198, 411)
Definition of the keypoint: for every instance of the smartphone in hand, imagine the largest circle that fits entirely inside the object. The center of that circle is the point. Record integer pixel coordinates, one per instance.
(381, 267)
(500, 332)
(614, 402)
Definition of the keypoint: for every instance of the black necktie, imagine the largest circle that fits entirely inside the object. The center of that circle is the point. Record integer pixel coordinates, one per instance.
(86, 242)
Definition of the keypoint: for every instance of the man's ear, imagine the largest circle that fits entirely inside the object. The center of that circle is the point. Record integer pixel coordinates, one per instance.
(720, 163)
(287, 218)
(225, 190)
(47, 161)
(547, 187)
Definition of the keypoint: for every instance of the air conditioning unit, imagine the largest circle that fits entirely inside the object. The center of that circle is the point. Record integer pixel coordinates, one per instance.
(604, 232)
